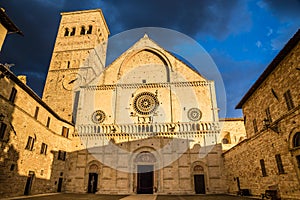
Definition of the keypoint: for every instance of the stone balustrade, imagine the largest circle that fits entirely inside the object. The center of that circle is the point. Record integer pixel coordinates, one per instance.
(161, 129)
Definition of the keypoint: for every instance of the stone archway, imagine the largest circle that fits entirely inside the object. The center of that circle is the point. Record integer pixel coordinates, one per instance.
(145, 167)
(199, 179)
(93, 177)
(294, 148)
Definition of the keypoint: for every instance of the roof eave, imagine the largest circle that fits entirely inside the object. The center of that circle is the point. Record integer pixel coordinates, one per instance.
(8, 23)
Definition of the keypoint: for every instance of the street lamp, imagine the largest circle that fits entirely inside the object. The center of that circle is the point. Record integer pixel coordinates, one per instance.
(267, 125)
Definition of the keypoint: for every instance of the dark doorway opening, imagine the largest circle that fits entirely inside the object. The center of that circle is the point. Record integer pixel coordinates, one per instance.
(145, 179)
(238, 183)
(93, 182)
(199, 184)
(59, 186)
(29, 183)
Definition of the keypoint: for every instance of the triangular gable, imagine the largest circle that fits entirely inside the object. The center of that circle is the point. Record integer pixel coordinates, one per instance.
(168, 58)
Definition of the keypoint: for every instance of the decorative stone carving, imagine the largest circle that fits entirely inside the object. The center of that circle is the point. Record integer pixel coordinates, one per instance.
(198, 168)
(93, 168)
(145, 157)
(194, 114)
(98, 116)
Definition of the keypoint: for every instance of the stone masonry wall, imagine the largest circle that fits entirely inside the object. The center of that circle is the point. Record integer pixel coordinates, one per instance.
(16, 160)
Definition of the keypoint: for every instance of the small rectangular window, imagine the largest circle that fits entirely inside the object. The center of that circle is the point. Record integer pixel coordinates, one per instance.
(279, 164)
(65, 132)
(48, 122)
(61, 155)
(30, 143)
(2, 130)
(13, 95)
(36, 113)
(268, 114)
(288, 100)
(44, 148)
(263, 167)
(255, 126)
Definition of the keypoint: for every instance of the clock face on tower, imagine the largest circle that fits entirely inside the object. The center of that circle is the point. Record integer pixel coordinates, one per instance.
(71, 81)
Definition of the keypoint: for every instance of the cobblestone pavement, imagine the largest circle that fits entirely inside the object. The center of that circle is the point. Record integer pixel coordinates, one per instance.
(134, 197)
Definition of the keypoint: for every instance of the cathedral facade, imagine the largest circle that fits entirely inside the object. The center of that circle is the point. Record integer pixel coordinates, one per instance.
(148, 123)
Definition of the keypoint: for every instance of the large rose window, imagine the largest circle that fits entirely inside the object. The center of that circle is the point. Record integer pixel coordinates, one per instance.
(145, 103)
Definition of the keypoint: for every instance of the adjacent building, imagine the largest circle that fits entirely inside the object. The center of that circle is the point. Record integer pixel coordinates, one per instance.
(269, 159)
(33, 138)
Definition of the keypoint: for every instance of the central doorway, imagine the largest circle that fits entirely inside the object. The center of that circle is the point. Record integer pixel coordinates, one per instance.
(199, 184)
(145, 179)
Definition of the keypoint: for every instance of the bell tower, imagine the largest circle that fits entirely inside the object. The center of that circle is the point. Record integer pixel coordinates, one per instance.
(79, 50)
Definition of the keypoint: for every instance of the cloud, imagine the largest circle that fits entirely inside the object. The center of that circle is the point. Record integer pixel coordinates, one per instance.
(215, 18)
(284, 10)
(40, 20)
(283, 35)
(238, 77)
(287, 12)
(219, 23)
(270, 31)
(258, 44)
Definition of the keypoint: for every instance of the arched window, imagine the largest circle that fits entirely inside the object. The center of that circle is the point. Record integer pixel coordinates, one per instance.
(73, 31)
(296, 140)
(82, 32)
(66, 32)
(89, 31)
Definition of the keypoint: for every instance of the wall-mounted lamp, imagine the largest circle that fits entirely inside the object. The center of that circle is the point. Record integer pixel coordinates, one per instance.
(267, 125)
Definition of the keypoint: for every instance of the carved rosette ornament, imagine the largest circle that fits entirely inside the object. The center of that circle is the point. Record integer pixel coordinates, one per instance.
(98, 116)
(145, 103)
(194, 114)
(145, 157)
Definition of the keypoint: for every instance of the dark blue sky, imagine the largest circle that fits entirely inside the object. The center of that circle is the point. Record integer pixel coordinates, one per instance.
(242, 36)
